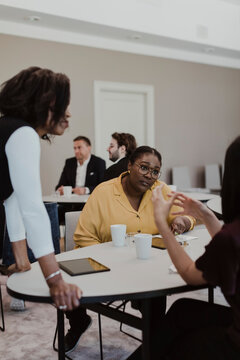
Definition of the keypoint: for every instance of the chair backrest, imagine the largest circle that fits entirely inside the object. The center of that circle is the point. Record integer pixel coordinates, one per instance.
(181, 177)
(212, 177)
(71, 219)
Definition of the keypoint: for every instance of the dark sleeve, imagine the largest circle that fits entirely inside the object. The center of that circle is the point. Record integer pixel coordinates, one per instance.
(100, 173)
(63, 178)
(220, 263)
(107, 174)
(102, 168)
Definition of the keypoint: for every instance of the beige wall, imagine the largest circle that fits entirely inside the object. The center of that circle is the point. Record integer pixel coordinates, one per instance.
(197, 107)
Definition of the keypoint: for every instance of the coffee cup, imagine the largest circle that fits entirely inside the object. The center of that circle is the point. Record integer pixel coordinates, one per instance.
(143, 243)
(118, 232)
(67, 191)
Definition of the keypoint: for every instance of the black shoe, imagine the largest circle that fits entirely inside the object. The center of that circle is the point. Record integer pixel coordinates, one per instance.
(73, 336)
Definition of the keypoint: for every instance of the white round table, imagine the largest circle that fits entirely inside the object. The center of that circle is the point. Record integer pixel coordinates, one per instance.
(61, 199)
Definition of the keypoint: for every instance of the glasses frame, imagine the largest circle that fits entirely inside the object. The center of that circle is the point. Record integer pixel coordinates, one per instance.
(148, 171)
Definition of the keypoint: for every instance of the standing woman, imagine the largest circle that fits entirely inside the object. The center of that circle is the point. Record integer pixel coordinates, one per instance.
(193, 329)
(33, 103)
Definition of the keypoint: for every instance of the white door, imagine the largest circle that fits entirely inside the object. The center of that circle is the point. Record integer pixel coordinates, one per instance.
(122, 107)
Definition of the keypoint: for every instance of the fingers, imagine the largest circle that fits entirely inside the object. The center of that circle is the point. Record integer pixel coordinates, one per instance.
(177, 228)
(157, 192)
(66, 296)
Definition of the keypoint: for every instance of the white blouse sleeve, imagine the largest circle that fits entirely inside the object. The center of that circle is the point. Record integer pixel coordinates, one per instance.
(25, 211)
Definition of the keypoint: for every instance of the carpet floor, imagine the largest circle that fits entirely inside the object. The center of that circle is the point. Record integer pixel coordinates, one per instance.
(29, 334)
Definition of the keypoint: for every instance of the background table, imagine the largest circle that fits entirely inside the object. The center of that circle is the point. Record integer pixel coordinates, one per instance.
(61, 199)
(129, 278)
(200, 196)
(216, 206)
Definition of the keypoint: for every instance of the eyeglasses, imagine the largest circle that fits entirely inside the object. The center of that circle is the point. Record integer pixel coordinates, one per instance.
(144, 170)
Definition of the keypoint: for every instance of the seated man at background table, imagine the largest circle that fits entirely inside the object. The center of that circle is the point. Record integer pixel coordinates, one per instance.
(124, 200)
(83, 172)
(121, 147)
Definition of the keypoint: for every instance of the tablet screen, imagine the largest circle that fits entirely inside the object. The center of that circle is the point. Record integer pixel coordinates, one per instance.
(82, 266)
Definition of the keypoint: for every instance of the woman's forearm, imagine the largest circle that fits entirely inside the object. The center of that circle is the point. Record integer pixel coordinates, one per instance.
(19, 249)
(49, 266)
(183, 263)
(211, 222)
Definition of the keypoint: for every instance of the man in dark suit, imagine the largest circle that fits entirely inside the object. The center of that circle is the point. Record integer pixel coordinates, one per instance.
(122, 145)
(83, 172)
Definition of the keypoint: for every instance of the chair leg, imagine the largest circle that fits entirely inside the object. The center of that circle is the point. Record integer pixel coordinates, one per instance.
(2, 328)
(54, 339)
(100, 336)
(121, 325)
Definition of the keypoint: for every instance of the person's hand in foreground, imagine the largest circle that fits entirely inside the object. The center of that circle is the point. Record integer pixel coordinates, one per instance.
(189, 206)
(161, 206)
(65, 296)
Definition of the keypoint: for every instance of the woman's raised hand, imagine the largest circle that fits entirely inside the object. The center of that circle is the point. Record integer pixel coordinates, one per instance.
(160, 205)
(189, 206)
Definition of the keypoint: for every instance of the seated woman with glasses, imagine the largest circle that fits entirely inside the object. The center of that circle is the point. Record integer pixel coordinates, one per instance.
(125, 200)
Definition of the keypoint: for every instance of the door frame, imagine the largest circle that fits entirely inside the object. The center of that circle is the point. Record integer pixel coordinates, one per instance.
(147, 90)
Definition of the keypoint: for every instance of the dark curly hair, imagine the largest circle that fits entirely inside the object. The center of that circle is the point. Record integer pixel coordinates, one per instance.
(141, 150)
(32, 92)
(231, 183)
(128, 140)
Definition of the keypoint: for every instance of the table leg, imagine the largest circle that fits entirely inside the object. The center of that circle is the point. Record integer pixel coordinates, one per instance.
(60, 325)
(145, 329)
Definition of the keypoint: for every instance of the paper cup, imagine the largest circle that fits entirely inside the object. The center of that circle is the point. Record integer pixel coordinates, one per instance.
(67, 191)
(143, 243)
(118, 233)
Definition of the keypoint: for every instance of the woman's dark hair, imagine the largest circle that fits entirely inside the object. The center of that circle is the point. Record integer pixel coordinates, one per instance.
(141, 150)
(32, 92)
(231, 183)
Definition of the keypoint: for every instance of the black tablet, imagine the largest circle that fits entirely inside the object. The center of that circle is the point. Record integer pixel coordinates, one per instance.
(82, 266)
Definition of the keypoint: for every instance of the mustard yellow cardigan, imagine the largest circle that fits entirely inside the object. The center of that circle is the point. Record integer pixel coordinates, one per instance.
(108, 205)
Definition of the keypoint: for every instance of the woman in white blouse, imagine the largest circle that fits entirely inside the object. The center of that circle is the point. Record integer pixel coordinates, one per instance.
(33, 103)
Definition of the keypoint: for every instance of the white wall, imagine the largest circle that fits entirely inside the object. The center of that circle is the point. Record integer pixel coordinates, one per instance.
(197, 110)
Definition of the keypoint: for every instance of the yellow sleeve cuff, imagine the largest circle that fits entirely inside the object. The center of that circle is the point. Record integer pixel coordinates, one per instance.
(192, 220)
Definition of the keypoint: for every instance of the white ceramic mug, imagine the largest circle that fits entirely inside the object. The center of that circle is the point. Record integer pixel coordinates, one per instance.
(67, 191)
(143, 244)
(118, 232)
